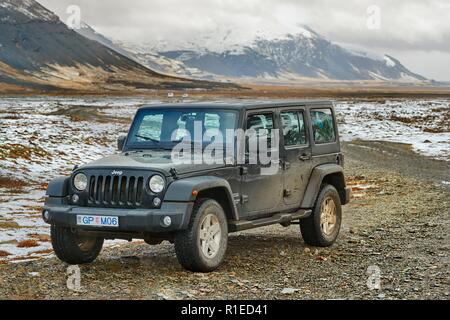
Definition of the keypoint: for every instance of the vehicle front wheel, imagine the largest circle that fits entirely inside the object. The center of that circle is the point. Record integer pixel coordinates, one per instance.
(322, 228)
(72, 248)
(202, 246)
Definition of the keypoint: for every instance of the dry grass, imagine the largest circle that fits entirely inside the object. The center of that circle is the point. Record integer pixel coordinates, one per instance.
(361, 186)
(43, 186)
(46, 251)
(7, 224)
(27, 244)
(4, 253)
(18, 151)
(11, 183)
(40, 237)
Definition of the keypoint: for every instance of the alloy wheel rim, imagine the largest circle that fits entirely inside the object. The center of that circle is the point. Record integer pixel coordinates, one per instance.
(210, 236)
(328, 216)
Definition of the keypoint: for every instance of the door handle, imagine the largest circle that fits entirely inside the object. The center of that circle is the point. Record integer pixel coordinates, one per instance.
(304, 157)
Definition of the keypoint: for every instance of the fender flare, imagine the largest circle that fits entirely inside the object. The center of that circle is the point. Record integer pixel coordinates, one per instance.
(315, 182)
(181, 190)
(58, 187)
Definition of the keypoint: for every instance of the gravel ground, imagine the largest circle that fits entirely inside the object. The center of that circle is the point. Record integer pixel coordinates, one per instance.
(398, 223)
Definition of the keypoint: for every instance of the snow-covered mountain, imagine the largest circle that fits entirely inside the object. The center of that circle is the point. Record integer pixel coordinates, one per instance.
(266, 55)
(304, 54)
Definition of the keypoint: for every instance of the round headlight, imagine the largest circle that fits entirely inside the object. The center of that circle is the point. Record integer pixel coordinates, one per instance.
(80, 181)
(156, 183)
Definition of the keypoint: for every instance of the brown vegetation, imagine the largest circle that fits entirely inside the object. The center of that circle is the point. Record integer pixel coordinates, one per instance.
(8, 224)
(4, 253)
(27, 244)
(11, 183)
(46, 251)
(18, 151)
(40, 237)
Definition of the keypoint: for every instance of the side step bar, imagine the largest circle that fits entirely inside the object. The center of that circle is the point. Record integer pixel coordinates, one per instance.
(234, 226)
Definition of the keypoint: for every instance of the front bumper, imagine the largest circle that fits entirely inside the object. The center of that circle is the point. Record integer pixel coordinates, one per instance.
(130, 220)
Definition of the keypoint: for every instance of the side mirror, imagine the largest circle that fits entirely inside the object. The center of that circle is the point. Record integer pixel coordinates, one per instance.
(121, 142)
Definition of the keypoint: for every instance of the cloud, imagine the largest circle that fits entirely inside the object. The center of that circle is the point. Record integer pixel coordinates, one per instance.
(406, 25)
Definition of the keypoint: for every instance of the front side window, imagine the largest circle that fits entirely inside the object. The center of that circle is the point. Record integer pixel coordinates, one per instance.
(260, 125)
(293, 125)
(323, 126)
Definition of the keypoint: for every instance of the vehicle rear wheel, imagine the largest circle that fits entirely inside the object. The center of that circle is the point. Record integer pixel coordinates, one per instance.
(322, 228)
(202, 246)
(72, 248)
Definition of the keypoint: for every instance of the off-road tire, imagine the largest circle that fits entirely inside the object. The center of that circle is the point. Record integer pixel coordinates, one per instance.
(66, 245)
(310, 227)
(187, 242)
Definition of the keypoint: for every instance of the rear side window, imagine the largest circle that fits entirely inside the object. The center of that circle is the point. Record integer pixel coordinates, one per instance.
(323, 126)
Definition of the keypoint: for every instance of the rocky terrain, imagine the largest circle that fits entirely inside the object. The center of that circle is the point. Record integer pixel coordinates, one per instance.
(397, 222)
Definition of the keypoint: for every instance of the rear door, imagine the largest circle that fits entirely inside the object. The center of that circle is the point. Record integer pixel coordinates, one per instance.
(296, 164)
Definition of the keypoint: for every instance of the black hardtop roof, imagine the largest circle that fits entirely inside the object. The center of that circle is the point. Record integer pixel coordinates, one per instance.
(240, 105)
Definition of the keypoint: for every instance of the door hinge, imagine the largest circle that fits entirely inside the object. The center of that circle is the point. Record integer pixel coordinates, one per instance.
(244, 199)
(243, 171)
(286, 165)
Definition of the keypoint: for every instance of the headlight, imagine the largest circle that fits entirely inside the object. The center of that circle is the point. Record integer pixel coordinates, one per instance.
(80, 181)
(156, 183)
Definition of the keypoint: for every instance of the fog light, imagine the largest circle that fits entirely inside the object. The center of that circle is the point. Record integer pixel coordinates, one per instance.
(75, 198)
(167, 221)
(46, 215)
(156, 202)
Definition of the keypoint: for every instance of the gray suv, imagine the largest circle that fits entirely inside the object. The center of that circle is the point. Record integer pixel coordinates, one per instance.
(143, 193)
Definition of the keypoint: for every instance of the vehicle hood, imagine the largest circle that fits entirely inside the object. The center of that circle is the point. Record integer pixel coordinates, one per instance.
(155, 161)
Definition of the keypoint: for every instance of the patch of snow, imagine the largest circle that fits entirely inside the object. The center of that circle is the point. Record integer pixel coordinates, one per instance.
(376, 76)
(419, 123)
(407, 77)
(389, 62)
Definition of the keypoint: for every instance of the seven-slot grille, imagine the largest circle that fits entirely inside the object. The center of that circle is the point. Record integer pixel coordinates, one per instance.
(116, 190)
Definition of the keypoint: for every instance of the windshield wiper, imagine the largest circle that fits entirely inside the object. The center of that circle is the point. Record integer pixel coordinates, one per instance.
(156, 142)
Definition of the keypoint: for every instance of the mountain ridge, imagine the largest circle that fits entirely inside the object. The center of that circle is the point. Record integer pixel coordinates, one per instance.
(38, 51)
(267, 57)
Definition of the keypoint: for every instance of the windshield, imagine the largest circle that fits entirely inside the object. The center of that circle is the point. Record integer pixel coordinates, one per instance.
(164, 128)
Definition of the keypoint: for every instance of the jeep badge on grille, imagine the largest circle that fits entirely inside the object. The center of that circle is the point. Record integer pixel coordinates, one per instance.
(116, 173)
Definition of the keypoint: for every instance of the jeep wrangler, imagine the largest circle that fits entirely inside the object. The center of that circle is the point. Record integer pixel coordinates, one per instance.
(142, 193)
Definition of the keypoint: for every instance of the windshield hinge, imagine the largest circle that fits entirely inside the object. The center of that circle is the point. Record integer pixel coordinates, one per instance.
(173, 173)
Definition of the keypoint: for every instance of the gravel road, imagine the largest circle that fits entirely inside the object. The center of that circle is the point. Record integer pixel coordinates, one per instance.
(398, 225)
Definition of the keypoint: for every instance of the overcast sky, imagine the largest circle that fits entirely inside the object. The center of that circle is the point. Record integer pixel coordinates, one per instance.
(417, 32)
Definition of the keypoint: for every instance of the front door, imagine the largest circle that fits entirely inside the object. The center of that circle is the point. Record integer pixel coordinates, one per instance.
(297, 162)
(262, 189)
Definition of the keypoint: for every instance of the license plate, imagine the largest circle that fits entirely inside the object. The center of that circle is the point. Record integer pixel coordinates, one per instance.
(98, 221)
